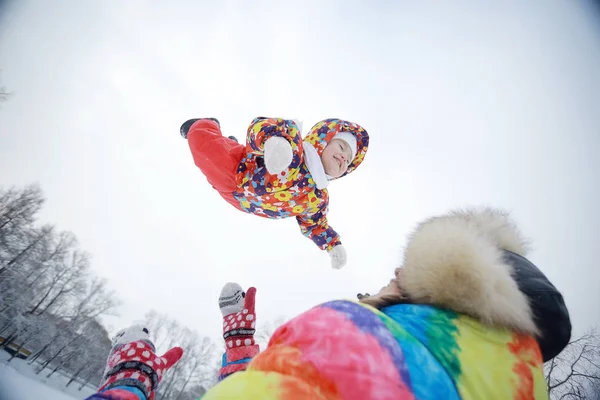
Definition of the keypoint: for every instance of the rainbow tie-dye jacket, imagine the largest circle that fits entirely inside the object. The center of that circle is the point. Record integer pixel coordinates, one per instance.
(292, 193)
(347, 350)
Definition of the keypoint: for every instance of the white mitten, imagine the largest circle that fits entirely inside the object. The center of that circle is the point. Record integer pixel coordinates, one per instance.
(338, 257)
(278, 155)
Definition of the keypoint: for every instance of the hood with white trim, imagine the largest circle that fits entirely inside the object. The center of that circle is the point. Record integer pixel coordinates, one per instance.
(324, 131)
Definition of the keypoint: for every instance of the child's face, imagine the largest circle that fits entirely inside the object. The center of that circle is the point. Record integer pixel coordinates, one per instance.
(336, 158)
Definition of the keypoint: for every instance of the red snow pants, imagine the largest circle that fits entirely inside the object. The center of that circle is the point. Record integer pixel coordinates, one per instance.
(217, 157)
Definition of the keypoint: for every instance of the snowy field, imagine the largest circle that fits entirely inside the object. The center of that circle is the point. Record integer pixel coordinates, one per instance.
(19, 382)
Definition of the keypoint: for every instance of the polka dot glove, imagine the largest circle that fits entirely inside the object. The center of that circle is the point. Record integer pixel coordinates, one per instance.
(136, 365)
(239, 327)
(238, 332)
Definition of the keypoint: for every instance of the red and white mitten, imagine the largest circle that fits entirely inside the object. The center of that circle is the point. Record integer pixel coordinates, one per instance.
(239, 323)
(135, 364)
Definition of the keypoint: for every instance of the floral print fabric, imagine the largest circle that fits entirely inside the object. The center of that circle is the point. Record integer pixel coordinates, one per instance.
(292, 193)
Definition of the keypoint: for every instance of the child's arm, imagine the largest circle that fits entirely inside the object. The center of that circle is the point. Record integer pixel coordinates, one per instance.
(238, 331)
(317, 229)
(278, 141)
(134, 371)
(237, 359)
(119, 393)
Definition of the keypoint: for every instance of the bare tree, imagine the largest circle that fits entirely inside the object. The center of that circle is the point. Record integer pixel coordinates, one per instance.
(201, 350)
(64, 274)
(62, 343)
(50, 302)
(53, 250)
(48, 345)
(82, 350)
(575, 372)
(187, 378)
(18, 211)
(21, 245)
(97, 351)
(96, 300)
(210, 371)
(86, 355)
(37, 329)
(49, 299)
(32, 240)
(3, 94)
(265, 330)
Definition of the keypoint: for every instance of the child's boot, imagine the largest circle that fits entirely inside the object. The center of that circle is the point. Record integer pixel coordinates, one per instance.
(185, 127)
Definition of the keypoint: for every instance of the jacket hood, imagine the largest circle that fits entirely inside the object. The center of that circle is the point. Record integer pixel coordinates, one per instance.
(324, 131)
(456, 261)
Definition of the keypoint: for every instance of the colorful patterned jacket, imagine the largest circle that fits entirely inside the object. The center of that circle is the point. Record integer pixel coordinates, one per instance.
(347, 350)
(293, 193)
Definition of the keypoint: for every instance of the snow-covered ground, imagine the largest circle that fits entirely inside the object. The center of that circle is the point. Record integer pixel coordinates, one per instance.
(19, 382)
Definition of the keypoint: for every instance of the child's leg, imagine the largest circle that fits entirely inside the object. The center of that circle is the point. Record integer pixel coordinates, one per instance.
(217, 157)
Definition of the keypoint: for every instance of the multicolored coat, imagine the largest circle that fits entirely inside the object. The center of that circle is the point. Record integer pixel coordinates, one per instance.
(477, 307)
(347, 350)
(292, 193)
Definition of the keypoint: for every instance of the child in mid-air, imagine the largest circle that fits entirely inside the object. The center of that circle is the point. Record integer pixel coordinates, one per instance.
(278, 174)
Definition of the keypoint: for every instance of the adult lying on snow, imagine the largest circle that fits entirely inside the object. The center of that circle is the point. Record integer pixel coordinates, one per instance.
(466, 317)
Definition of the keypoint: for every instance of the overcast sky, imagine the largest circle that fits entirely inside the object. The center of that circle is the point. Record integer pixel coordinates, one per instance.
(466, 104)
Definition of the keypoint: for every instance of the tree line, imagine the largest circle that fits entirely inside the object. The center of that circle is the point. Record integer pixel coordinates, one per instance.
(51, 303)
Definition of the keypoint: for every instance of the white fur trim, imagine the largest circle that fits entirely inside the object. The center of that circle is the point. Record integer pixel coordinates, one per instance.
(315, 166)
(278, 154)
(350, 139)
(455, 261)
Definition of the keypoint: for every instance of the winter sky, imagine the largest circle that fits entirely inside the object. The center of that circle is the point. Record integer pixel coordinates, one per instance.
(466, 104)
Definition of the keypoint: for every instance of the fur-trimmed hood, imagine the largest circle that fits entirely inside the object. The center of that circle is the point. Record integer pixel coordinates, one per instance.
(456, 261)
